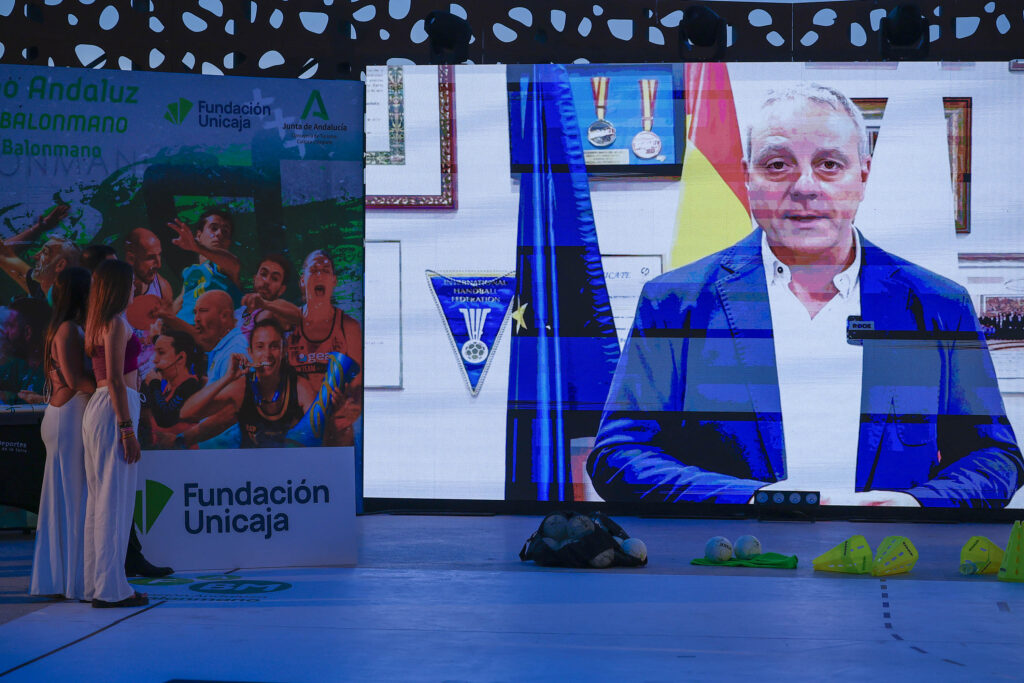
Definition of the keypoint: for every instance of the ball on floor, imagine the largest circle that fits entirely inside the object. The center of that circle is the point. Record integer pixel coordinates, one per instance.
(718, 549)
(634, 547)
(603, 559)
(555, 527)
(580, 526)
(747, 547)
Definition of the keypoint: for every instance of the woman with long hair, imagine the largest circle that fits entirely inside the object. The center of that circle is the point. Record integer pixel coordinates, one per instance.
(58, 566)
(111, 447)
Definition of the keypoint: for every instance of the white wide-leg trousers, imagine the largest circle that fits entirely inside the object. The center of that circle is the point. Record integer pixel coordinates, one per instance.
(111, 500)
(58, 567)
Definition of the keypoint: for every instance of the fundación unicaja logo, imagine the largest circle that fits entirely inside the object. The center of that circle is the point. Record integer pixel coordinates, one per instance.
(177, 111)
(150, 503)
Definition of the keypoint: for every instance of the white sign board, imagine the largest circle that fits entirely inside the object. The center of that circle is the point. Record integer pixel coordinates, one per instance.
(625, 277)
(249, 508)
(382, 345)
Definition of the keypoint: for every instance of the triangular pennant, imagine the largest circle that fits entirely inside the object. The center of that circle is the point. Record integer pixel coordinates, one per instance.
(474, 307)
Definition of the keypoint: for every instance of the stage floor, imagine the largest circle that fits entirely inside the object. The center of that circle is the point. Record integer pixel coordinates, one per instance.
(446, 599)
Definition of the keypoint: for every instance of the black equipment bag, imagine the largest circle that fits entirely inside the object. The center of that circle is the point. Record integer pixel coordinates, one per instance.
(580, 540)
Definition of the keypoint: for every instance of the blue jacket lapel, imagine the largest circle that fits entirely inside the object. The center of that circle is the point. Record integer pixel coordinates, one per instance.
(743, 293)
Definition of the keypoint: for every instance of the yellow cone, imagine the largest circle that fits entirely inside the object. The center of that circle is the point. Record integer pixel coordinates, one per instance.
(980, 555)
(852, 556)
(1012, 568)
(896, 555)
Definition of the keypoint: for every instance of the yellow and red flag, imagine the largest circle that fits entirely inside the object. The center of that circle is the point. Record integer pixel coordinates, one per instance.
(713, 209)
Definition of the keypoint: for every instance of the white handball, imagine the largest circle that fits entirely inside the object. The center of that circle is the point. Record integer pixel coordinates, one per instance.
(555, 527)
(603, 559)
(580, 526)
(634, 547)
(747, 547)
(718, 549)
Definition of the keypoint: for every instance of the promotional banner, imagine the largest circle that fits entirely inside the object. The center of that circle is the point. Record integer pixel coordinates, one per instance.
(242, 509)
(238, 203)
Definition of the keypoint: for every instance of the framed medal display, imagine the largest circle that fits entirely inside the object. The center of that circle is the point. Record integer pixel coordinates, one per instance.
(631, 118)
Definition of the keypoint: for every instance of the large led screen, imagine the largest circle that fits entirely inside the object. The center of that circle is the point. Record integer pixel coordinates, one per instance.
(692, 284)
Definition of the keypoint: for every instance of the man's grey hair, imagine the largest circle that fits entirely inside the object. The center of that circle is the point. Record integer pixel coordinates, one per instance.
(819, 94)
(68, 250)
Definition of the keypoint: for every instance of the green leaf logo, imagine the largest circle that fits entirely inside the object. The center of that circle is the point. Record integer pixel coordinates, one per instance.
(177, 111)
(149, 507)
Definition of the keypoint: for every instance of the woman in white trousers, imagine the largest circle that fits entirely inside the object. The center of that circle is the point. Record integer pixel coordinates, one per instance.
(58, 567)
(112, 450)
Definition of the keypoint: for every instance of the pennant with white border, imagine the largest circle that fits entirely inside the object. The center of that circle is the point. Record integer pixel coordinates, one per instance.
(474, 308)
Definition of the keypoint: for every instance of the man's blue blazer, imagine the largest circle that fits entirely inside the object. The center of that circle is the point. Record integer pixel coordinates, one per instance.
(693, 413)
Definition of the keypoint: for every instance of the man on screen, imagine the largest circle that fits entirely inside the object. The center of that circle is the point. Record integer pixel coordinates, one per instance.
(804, 357)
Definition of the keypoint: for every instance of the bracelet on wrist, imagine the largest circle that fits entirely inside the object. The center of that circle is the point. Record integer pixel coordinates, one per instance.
(123, 424)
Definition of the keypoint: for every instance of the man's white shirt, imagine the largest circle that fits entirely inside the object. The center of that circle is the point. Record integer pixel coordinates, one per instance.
(819, 381)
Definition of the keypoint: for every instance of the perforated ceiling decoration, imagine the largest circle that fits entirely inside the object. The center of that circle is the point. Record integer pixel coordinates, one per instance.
(337, 38)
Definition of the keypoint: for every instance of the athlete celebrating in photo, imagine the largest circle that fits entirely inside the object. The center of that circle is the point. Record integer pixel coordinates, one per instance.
(268, 284)
(143, 250)
(54, 256)
(218, 268)
(267, 398)
(322, 330)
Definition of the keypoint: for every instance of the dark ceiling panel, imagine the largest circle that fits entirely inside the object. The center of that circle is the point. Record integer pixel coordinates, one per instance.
(337, 38)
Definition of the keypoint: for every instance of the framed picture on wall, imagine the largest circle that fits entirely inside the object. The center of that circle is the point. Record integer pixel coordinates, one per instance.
(958, 137)
(410, 137)
(958, 131)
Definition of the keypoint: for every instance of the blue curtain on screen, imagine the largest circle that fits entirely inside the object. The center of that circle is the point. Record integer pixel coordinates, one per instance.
(564, 346)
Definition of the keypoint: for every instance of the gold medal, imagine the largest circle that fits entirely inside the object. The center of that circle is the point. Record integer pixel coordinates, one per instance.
(600, 133)
(646, 144)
